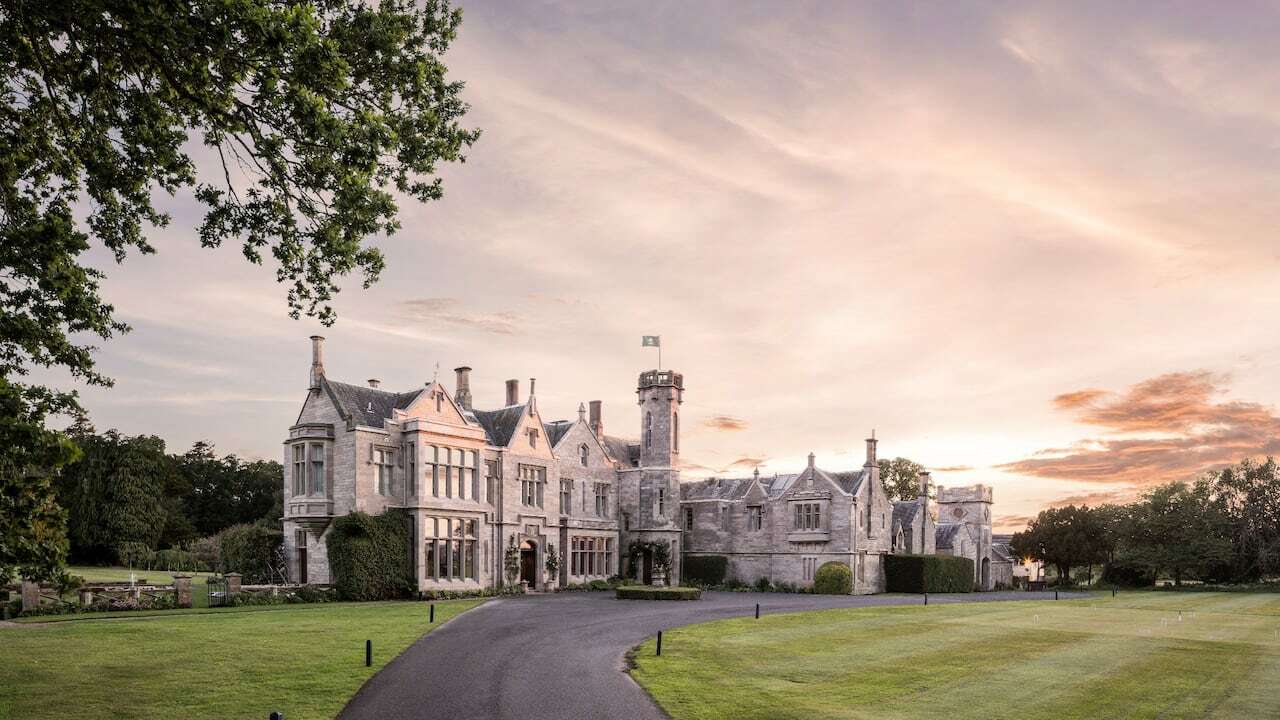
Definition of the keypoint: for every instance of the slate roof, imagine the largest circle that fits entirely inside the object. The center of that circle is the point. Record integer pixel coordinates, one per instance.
(1000, 552)
(499, 425)
(778, 484)
(368, 406)
(904, 512)
(624, 452)
(556, 430)
(716, 489)
(944, 534)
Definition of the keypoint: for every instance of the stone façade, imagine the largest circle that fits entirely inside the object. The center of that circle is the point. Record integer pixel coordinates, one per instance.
(493, 493)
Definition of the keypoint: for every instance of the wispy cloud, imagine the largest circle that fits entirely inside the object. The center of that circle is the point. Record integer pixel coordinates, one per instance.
(952, 468)
(1170, 427)
(451, 311)
(725, 422)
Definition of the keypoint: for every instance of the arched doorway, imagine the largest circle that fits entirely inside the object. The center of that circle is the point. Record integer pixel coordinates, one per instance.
(986, 573)
(529, 563)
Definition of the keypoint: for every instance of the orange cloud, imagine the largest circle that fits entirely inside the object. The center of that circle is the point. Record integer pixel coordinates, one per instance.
(1167, 428)
(725, 422)
(953, 468)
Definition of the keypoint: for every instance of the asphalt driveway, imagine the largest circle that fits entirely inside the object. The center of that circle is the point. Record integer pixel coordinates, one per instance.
(561, 656)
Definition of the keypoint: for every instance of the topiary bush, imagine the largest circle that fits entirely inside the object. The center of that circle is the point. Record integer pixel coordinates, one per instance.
(650, 592)
(369, 556)
(928, 573)
(833, 578)
(705, 569)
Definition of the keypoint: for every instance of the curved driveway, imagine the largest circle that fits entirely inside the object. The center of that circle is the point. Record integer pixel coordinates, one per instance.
(561, 656)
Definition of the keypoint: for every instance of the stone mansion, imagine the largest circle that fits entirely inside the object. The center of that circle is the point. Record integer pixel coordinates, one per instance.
(484, 484)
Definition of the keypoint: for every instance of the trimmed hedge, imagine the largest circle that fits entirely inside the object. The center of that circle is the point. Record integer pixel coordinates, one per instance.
(705, 569)
(928, 573)
(249, 550)
(649, 592)
(833, 578)
(369, 556)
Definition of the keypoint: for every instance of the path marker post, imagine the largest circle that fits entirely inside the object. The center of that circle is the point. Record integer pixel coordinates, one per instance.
(659, 643)
(368, 653)
(276, 715)
(926, 598)
(757, 611)
(433, 613)
(1055, 594)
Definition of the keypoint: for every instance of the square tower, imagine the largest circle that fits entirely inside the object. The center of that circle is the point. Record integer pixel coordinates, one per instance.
(659, 394)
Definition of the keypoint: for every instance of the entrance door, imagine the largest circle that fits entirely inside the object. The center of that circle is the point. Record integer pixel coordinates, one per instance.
(302, 565)
(986, 573)
(529, 563)
(647, 566)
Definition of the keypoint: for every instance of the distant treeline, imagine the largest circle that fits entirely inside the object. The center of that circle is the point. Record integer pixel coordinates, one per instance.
(129, 502)
(1222, 528)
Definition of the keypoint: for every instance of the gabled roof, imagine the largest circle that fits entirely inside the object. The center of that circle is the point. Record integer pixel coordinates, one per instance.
(624, 452)
(850, 481)
(904, 512)
(1000, 552)
(944, 534)
(499, 425)
(556, 430)
(778, 484)
(368, 406)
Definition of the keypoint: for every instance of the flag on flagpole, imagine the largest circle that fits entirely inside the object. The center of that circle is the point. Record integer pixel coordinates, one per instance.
(650, 341)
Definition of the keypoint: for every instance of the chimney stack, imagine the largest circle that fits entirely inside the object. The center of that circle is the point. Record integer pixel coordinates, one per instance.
(597, 425)
(925, 479)
(462, 391)
(317, 362)
(513, 392)
(871, 449)
(811, 461)
(374, 382)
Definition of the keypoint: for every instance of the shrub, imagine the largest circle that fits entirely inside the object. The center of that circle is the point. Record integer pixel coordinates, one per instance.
(204, 552)
(1127, 574)
(705, 569)
(763, 584)
(833, 578)
(928, 573)
(249, 550)
(369, 556)
(649, 592)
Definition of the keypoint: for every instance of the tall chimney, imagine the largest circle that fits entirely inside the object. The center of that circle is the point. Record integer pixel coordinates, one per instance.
(597, 425)
(462, 391)
(317, 362)
(871, 449)
(811, 459)
(513, 392)
(374, 382)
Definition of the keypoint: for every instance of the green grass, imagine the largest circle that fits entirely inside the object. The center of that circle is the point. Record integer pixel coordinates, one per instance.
(199, 587)
(1128, 657)
(304, 660)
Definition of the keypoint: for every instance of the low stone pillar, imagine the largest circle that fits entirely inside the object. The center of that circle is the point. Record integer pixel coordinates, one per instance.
(86, 597)
(182, 590)
(233, 583)
(30, 596)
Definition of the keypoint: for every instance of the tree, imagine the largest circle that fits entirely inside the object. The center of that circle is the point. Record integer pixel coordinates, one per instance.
(114, 496)
(1181, 529)
(221, 492)
(1064, 537)
(1250, 497)
(901, 478)
(312, 115)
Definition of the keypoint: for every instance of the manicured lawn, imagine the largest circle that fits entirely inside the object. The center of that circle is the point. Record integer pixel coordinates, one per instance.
(304, 660)
(1129, 657)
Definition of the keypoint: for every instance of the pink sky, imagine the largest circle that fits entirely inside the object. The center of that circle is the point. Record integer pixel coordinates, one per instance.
(1031, 247)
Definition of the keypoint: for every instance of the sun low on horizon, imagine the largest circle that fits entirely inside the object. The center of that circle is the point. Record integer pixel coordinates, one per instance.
(1029, 247)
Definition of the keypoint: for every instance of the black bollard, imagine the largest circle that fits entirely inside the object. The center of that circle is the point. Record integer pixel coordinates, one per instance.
(277, 715)
(433, 612)
(757, 611)
(368, 653)
(1113, 592)
(926, 598)
(1055, 594)
(659, 643)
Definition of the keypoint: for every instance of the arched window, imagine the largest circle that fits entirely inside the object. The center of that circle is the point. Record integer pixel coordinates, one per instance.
(648, 429)
(675, 432)
(583, 452)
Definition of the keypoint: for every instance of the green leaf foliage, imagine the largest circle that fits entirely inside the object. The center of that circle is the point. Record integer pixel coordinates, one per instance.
(900, 478)
(928, 573)
(33, 541)
(705, 570)
(649, 592)
(833, 578)
(249, 550)
(369, 556)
